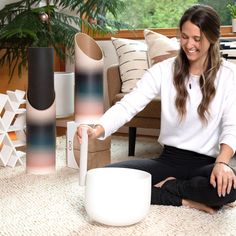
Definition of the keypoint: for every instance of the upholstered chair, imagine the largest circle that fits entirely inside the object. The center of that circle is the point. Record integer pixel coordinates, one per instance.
(148, 118)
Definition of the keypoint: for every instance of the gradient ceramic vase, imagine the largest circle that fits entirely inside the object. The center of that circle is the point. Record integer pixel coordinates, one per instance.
(89, 104)
(40, 112)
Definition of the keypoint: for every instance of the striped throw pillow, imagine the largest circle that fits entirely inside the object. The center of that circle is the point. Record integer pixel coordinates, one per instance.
(132, 57)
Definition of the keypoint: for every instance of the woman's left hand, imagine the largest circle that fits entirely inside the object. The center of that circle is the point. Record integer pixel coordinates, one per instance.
(223, 177)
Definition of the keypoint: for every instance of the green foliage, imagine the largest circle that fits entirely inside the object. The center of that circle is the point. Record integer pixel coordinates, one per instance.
(232, 9)
(165, 14)
(152, 13)
(22, 26)
(221, 7)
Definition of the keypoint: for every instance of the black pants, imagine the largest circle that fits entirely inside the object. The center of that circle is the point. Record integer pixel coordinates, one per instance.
(192, 172)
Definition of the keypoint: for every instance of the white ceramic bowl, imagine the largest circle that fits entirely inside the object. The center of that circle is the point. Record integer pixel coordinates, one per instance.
(117, 196)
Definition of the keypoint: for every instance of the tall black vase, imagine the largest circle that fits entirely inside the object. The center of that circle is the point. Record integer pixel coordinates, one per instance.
(40, 112)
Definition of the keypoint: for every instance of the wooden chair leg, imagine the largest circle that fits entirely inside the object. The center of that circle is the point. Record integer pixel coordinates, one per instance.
(132, 140)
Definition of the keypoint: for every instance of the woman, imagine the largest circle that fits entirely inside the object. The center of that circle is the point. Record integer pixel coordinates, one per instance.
(198, 118)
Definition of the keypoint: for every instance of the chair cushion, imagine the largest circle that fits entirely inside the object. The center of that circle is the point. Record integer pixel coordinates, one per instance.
(152, 110)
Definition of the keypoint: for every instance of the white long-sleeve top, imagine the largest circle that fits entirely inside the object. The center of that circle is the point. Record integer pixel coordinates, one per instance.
(189, 134)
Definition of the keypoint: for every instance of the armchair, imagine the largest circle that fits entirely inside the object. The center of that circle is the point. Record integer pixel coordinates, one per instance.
(149, 117)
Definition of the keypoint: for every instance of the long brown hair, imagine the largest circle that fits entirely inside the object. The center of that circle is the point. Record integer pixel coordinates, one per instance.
(208, 22)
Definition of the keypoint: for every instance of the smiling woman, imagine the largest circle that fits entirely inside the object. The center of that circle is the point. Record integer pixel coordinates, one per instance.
(195, 45)
(198, 129)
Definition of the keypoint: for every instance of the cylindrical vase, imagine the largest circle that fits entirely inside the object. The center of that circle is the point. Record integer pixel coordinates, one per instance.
(89, 105)
(64, 90)
(234, 25)
(40, 112)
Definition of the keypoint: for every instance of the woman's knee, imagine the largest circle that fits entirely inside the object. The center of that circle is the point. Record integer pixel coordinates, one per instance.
(232, 195)
(123, 164)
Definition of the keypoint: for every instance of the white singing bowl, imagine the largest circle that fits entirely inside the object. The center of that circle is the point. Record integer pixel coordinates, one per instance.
(117, 196)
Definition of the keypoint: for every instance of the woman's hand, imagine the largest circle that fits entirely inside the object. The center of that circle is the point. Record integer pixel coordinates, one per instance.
(93, 132)
(223, 177)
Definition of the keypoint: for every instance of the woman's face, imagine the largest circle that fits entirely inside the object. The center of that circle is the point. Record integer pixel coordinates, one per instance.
(194, 43)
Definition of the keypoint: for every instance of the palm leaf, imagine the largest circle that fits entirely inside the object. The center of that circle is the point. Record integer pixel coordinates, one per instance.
(21, 26)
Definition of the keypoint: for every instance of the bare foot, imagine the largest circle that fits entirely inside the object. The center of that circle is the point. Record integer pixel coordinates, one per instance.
(198, 206)
(159, 185)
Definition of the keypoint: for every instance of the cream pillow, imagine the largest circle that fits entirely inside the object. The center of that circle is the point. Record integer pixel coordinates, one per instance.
(133, 62)
(159, 46)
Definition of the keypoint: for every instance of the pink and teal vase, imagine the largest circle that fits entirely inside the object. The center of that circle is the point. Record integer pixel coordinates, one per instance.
(89, 105)
(40, 112)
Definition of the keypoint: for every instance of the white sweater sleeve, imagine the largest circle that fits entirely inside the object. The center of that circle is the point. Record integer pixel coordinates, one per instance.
(123, 111)
(228, 134)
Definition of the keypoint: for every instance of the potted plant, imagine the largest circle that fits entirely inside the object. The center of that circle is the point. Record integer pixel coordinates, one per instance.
(50, 23)
(232, 10)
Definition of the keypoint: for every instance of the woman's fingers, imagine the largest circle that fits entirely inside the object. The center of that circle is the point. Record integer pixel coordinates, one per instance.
(224, 178)
(219, 185)
(79, 132)
(230, 184)
(213, 180)
(225, 184)
(234, 181)
(90, 132)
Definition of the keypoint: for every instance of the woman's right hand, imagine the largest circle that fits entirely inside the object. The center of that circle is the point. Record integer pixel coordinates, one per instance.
(93, 132)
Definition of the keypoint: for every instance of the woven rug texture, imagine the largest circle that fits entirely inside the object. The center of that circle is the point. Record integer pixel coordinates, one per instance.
(47, 205)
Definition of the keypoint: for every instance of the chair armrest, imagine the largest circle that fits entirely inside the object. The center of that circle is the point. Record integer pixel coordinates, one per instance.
(113, 82)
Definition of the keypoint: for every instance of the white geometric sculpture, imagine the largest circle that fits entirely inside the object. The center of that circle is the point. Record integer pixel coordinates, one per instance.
(12, 120)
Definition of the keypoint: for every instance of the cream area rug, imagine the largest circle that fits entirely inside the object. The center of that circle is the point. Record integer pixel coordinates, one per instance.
(53, 205)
